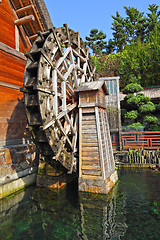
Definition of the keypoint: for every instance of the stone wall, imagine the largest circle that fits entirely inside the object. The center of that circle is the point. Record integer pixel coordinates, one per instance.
(98, 186)
(18, 168)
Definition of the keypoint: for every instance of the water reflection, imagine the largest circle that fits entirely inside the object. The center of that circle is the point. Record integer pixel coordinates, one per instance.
(102, 217)
(125, 213)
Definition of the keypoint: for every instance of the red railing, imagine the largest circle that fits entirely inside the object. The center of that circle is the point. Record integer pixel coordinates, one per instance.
(115, 140)
(147, 140)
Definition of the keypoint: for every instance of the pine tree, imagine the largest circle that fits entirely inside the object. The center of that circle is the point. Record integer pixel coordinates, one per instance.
(128, 30)
(119, 34)
(135, 24)
(153, 20)
(96, 41)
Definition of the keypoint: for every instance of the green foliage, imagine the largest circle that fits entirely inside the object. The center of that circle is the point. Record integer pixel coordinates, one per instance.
(155, 208)
(107, 65)
(150, 119)
(123, 112)
(96, 41)
(141, 99)
(153, 18)
(131, 114)
(153, 127)
(132, 88)
(136, 39)
(148, 107)
(137, 107)
(157, 106)
(134, 126)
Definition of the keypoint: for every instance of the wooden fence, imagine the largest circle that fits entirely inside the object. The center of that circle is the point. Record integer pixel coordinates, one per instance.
(146, 140)
(115, 140)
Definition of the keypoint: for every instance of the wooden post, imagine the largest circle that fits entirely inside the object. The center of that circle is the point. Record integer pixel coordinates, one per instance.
(54, 88)
(16, 38)
(24, 20)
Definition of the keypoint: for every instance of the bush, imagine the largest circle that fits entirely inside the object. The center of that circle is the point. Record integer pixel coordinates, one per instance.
(134, 127)
(132, 88)
(149, 107)
(153, 127)
(131, 114)
(141, 99)
(158, 106)
(150, 119)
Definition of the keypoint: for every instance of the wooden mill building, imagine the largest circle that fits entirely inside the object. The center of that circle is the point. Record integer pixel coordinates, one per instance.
(20, 21)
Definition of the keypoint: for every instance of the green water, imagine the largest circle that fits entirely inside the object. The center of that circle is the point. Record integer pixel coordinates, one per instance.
(130, 211)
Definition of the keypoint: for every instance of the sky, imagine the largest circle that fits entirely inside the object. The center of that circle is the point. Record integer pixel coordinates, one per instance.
(84, 15)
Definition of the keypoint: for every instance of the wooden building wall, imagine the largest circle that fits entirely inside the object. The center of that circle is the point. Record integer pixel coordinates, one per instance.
(12, 63)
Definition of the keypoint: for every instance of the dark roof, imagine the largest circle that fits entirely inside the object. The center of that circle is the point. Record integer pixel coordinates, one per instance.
(44, 13)
(92, 86)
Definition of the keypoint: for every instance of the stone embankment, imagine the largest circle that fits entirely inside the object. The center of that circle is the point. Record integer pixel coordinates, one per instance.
(18, 168)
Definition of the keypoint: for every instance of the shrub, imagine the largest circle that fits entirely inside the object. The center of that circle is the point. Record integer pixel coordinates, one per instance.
(150, 119)
(149, 107)
(134, 127)
(132, 88)
(131, 114)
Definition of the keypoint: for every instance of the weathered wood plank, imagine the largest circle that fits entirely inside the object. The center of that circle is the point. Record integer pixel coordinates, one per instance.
(92, 172)
(92, 177)
(80, 142)
(90, 158)
(90, 154)
(91, 168)
(90, 149)
(100, 141)
(24, 20)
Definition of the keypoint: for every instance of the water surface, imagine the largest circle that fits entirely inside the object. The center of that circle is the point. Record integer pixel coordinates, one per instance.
(130, 211)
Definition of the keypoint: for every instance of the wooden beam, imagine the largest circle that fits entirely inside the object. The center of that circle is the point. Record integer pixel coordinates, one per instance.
(24, 20)
(9, 85)
(60, 115)
(17, 38)
(100, 142)
(33, 37)
(64, 133)
(12, 51)
(24, 9)
(80, 142)
(70, 123)
(54, 88)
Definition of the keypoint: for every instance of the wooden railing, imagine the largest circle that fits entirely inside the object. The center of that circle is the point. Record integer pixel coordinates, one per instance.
(115, 140)
(147, 140)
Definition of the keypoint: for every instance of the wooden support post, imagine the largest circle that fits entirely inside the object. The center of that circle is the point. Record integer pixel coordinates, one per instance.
(80, 142)
(54, 88)
(63, 87)
(16, 38)
(24, 20)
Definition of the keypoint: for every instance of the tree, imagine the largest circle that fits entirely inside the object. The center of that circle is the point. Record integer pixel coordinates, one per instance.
(96, 41)
(135, 24)
(128, 30)
(137, 109)
(119, 33)
(153, 20)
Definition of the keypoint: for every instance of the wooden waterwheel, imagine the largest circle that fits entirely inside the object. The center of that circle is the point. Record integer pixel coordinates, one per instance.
(57, 64)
